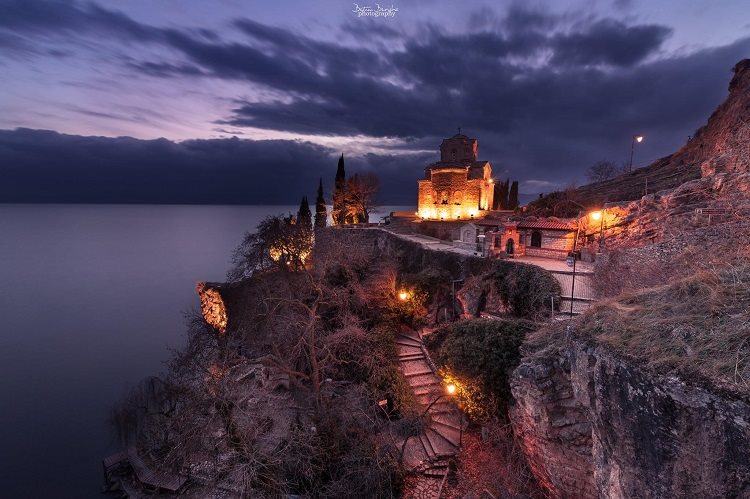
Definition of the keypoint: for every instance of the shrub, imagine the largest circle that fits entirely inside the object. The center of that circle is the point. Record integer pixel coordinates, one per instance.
(525, 289)
(478, 355)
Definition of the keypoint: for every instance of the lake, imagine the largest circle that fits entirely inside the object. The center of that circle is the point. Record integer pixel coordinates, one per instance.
(92, 299)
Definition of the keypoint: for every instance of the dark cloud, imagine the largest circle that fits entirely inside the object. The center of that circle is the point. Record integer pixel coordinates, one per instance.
(546, 95)
(45, 166)
(609, 42)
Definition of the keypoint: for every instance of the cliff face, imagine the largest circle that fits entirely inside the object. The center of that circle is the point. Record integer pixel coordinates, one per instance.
(593, 425)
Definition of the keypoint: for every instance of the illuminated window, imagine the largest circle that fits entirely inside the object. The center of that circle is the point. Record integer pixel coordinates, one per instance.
(444, 197)
(458, 197)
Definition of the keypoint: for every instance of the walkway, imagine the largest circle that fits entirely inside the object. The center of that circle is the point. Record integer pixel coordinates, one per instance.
(426, 455)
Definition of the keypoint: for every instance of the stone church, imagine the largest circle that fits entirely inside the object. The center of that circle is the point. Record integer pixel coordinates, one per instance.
(458, 187)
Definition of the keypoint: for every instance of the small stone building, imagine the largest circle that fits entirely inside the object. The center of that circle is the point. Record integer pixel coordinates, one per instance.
(540, 238)
(468, 237)
(458, 187)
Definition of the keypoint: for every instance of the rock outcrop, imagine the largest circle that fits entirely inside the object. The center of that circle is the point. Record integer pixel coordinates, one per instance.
(592, 424)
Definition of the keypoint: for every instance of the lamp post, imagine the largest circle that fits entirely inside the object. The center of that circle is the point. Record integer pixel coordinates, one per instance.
(573, 281)
(481, 243)
(636, 138)
(450, 389)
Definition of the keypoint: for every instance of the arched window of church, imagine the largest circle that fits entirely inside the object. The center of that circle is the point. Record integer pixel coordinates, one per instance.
(458, 197)
(453, 154)
(444, 197)
(536, 239)
(435, 197)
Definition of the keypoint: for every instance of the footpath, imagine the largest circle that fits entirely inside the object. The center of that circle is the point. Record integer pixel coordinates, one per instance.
(427, 454)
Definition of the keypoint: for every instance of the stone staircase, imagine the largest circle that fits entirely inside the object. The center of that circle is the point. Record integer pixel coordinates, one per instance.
(426, 455)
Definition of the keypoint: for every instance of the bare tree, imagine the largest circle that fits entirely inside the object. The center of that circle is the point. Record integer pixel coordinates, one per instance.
(360, 197)
(601, 171)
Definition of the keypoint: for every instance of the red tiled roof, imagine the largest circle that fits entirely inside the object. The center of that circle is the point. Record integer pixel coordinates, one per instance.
(492, 221)
(546, 224)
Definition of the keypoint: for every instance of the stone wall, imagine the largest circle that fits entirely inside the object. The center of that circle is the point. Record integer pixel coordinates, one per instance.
(593, 424)
(546, 253)
(449, 195)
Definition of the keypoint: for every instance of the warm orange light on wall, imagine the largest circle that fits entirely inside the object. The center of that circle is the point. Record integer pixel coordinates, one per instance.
(403, 295)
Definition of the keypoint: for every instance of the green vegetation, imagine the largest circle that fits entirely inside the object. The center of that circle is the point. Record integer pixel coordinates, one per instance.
(478, 356)
(525, 290)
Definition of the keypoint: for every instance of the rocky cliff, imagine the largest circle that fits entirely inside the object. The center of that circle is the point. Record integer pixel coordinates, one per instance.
(593, 424)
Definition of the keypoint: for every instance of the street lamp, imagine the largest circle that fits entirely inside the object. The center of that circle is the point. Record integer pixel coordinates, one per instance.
(403, 295)
(599, 215)
(636, 138)
(450, 389)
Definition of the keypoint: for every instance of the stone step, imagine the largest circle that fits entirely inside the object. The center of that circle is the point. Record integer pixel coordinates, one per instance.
(422, 380)
(421, 372)
(413, 453)
(419, 382)
(409, 350)
(435, 389)
(409, 366)
(411, 356)
(440, 445)
(410, 333)
(407, 342)
(449, 419)
(442, 407)
(427, 446)
(452, 435)
(436, 472)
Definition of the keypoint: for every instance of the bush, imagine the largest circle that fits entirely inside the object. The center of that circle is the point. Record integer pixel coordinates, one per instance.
(478, 355)
(526, 290)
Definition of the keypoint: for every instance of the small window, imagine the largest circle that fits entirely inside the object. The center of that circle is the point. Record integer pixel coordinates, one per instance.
(458, 197)
(444, 197)
(453, 154)
(536, 239)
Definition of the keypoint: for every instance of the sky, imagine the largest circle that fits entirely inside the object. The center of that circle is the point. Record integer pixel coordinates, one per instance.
(238, 101)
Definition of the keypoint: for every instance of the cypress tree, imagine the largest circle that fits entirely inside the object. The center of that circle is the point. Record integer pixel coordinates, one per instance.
(339, 194)
(304, 217)
(513, 196)
(321, 212)
(495, 196)
(502, 202)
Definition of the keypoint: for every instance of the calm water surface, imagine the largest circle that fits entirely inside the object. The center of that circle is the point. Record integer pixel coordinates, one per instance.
(91, 298)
